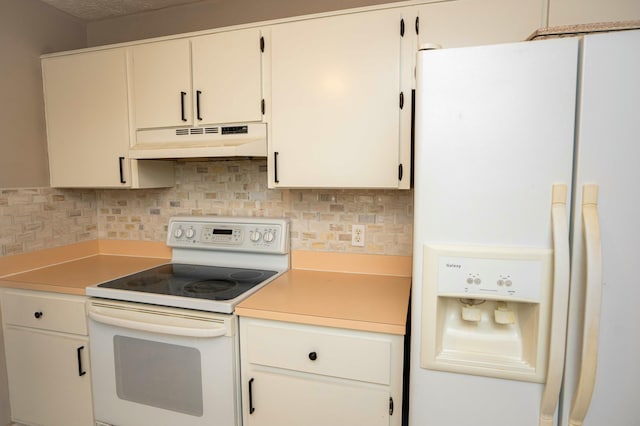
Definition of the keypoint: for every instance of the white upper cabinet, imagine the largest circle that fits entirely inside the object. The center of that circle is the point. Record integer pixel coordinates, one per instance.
(572, 12)
(161, 79)
(227, 77)
(88, 124)
(333, 104)
(476, 22)
(196, 81)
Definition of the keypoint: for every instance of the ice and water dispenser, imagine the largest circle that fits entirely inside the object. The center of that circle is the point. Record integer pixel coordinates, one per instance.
(486, 310)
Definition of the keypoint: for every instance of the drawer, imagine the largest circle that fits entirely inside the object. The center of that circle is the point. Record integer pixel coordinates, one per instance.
(332, 352)
(45, 311)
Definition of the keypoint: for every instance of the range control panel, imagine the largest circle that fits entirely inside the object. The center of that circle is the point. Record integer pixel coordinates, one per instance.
(491, 273)
(229, 234)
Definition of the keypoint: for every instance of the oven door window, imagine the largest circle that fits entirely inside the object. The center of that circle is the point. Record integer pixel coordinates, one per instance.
(158, 374)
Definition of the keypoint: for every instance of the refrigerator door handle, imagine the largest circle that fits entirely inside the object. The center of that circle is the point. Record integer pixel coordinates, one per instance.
(558, 332)
(593, 297)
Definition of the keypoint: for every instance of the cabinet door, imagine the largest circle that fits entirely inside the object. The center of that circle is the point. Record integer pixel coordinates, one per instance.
(334, 107)
(87, 118)
(573, 12)
(294, 400)
(161, 84)
(477, 22)
(45, 385)
(226, 77)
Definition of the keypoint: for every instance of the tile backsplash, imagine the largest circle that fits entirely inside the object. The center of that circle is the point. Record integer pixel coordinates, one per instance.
(38, 218)
(321, 219)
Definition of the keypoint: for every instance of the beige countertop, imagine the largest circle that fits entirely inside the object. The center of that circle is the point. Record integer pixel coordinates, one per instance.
(369, 293)
(365, 302)
(72, 277)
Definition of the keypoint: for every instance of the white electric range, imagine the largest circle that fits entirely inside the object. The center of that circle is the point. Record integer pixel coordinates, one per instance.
(163, 342)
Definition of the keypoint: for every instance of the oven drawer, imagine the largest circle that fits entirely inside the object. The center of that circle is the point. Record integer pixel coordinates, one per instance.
(46, 311)
(326, 351)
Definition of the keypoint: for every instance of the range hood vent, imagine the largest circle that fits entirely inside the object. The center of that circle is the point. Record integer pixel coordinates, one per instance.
(197, 131)
(233, 140)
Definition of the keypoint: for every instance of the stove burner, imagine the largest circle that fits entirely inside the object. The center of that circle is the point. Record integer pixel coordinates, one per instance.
(143, 281)
(209, 286)
(246, 275)
(194, 281)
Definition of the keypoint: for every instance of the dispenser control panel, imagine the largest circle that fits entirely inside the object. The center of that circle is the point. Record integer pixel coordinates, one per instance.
(491, 273)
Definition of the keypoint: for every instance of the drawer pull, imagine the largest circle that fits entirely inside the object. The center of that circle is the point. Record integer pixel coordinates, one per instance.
(313, 356)
(38, 315)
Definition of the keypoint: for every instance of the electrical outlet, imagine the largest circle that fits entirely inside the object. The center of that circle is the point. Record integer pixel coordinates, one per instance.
(357, 235)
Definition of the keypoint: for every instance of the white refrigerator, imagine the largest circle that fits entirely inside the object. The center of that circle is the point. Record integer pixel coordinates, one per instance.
(526, 297)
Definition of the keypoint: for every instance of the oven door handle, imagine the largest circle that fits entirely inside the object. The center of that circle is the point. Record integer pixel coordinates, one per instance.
(158, 328)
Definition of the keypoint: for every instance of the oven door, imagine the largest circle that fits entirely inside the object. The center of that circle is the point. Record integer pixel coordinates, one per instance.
(162, 366)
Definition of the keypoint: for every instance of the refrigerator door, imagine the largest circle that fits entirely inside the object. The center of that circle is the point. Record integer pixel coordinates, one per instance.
(494, 133)
(607, 157)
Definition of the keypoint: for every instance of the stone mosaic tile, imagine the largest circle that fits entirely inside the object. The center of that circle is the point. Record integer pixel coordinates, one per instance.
(37, 218)
(321, 219)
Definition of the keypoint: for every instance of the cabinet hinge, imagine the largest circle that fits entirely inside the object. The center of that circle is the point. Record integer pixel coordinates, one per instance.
(401, 100)
(391, 406)
(262, 44)
(401, 27)
(400, 172)
(262, 107)
(417, 25)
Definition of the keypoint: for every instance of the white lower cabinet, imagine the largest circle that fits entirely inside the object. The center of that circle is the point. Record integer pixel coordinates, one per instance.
(47, 354)
(296, 374)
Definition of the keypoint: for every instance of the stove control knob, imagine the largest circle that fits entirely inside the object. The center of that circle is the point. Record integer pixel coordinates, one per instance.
(254, 236)
(191, 232)
(269, 236)
(177, 233)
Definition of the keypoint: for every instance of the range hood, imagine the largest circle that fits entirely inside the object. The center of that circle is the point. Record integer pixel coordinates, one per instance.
(232, 140)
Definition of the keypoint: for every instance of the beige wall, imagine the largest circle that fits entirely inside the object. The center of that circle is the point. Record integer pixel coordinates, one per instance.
(208, 14)
(28, 28)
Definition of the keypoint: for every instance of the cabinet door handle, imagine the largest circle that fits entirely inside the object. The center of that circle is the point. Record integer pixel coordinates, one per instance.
(121, 164)
(198, 93)
(275, 167)
(182, 97)
(38, 314)
(251, 407)
(81, 371)
(313, 356)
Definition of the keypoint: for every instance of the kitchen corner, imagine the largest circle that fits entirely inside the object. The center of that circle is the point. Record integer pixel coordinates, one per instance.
(70, 269)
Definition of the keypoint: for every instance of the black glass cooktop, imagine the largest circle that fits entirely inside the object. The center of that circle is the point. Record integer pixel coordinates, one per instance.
(199, 281)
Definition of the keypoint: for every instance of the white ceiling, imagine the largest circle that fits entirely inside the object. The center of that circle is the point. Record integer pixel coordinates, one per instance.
(92, 10)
